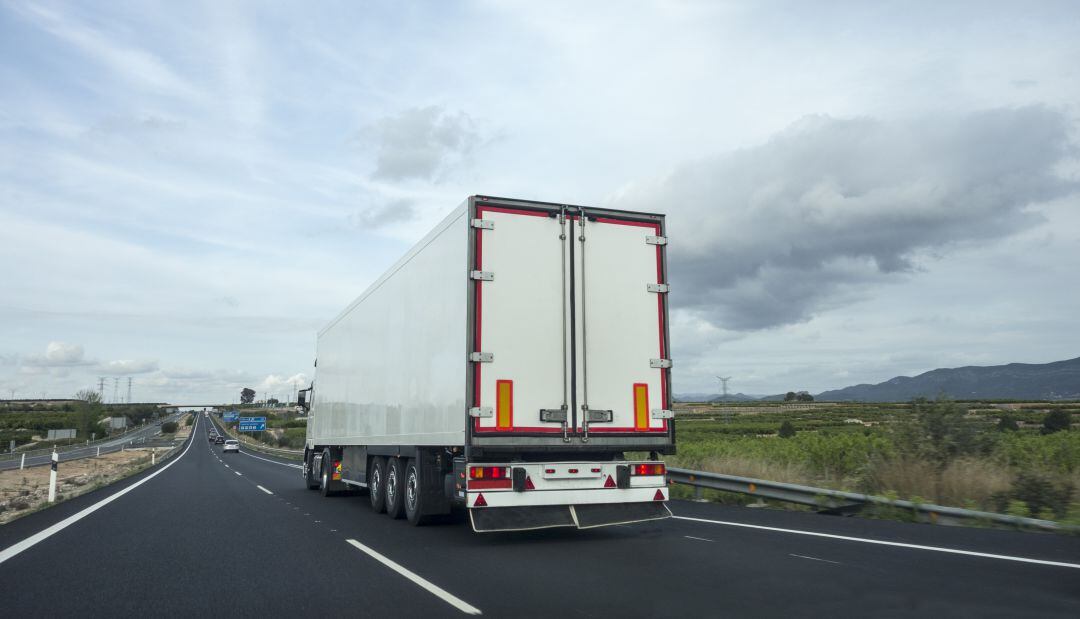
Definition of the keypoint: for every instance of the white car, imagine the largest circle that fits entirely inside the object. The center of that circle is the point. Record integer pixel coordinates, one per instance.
(232, 445)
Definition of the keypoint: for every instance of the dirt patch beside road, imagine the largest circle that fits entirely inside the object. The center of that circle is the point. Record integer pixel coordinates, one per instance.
(25, 491)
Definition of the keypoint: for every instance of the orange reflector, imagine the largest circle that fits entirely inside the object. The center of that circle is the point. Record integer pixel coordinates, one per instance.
(504, 404)
(641, 406)
(528, 484)
(659, 496)
(480, 502)
(610, 483)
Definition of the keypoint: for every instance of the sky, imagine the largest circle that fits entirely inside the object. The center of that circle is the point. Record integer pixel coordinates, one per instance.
(854, 191)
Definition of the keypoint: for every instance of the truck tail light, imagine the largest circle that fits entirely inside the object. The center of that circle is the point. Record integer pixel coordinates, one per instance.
(337, 471)
(489, 477)
(489, 472)
(648, 469)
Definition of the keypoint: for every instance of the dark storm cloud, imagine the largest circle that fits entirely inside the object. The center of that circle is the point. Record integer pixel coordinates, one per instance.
(770, 235)
(419, 143)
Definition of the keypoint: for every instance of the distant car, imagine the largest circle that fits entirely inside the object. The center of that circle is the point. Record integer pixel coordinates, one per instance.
(211, 437)
(219, 440)
(231, 445)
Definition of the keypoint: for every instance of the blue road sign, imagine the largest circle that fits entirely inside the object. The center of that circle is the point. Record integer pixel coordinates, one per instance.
(252, 424)
(230, 416)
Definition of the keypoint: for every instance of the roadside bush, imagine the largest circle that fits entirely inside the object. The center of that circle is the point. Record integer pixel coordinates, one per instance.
(1041, 491)
(787, 430)
(1007, 424)
(1057, 420)
(169, 427)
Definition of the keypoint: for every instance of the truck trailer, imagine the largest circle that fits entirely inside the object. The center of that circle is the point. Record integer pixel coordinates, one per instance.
(514, 364)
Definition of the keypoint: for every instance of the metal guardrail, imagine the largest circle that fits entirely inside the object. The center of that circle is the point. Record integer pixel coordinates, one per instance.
(840, 502)
(45, 451)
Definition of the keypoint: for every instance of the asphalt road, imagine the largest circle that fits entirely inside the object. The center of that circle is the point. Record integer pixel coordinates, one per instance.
(135, 437)
(239, 534)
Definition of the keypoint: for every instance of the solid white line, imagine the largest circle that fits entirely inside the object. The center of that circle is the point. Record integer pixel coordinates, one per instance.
(970, 553)
(814, 559)
(264, 490)
(295, 466)
(700, 539)
(41, 536)
(438, 592)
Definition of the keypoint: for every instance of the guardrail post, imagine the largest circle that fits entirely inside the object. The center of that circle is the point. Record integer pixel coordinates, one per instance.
(99, 451)
(52, 476)
(699, 494)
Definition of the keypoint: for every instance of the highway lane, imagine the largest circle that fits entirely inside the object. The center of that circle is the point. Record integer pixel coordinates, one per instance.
(242, 532)
(146, 433)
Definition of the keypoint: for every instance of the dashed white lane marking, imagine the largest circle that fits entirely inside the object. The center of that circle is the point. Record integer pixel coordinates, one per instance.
(425, 584)
(45, 534)
(294, 466)
(969, 553)
(814, 559)
(700, 539)
(238, 472)
(264, 490)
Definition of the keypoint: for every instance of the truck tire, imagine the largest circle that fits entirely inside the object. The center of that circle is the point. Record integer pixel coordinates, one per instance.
(309, 472)
(324, 475)
(395, 488)
(377, 485)
(414, 494)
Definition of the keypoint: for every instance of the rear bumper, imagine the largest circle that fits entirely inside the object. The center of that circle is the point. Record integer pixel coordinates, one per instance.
(506, 519)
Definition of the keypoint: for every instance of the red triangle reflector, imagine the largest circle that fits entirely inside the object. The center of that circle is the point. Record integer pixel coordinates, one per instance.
(659, 496)
(480, 502)
(528, 483)
(610, 483)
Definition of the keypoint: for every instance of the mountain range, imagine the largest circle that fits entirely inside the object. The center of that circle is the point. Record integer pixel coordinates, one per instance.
(1059, 380)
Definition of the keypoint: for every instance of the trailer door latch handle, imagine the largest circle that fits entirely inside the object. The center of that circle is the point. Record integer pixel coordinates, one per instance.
(660, 363)
(480, 411)
(481, 357)
(484, 276)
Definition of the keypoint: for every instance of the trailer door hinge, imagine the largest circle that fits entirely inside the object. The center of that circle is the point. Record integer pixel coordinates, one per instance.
(481, 357)
(485, 276)
(483, 224)
(480, 411)
(656, 287)
(660, 363)
(661, 413)
(656, 240)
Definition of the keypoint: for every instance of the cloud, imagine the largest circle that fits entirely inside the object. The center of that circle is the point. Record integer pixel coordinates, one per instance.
(278, 385)
(422, 142)
(774, 234)
(58, 354)
(128, 366)
(395, 211)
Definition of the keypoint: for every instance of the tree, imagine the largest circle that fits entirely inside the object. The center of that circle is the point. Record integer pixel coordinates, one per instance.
(804, 396)
(1007, 424)
(169, 427)
(787, 429)
(936, 432)
(273, 402)
(1056, 420)
(790, 396)
(247, 396)
(89, 410)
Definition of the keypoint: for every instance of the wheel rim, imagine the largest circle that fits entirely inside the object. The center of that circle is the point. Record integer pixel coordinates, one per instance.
(391, 481)
(410, 489)
(375, 479)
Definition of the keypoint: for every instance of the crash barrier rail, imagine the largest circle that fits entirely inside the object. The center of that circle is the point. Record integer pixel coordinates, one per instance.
(45, 451)
(43, 459)
(840, 502)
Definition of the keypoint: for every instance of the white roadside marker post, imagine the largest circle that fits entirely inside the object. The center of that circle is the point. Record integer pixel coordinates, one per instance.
(99, 451)
(22, 462)
(153, 457)
(52, 476)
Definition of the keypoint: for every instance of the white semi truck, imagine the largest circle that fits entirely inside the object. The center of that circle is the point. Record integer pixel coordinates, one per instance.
(513, 363)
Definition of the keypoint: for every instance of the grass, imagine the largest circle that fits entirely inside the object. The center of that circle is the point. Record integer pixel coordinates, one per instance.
(955, 458)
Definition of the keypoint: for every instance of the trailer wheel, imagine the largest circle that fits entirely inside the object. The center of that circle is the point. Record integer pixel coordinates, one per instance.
(414, 495)
(309, 471)
(376, 485)
(324, 478)
(395, 489)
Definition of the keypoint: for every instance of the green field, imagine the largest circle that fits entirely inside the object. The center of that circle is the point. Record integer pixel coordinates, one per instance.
(951, 453)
